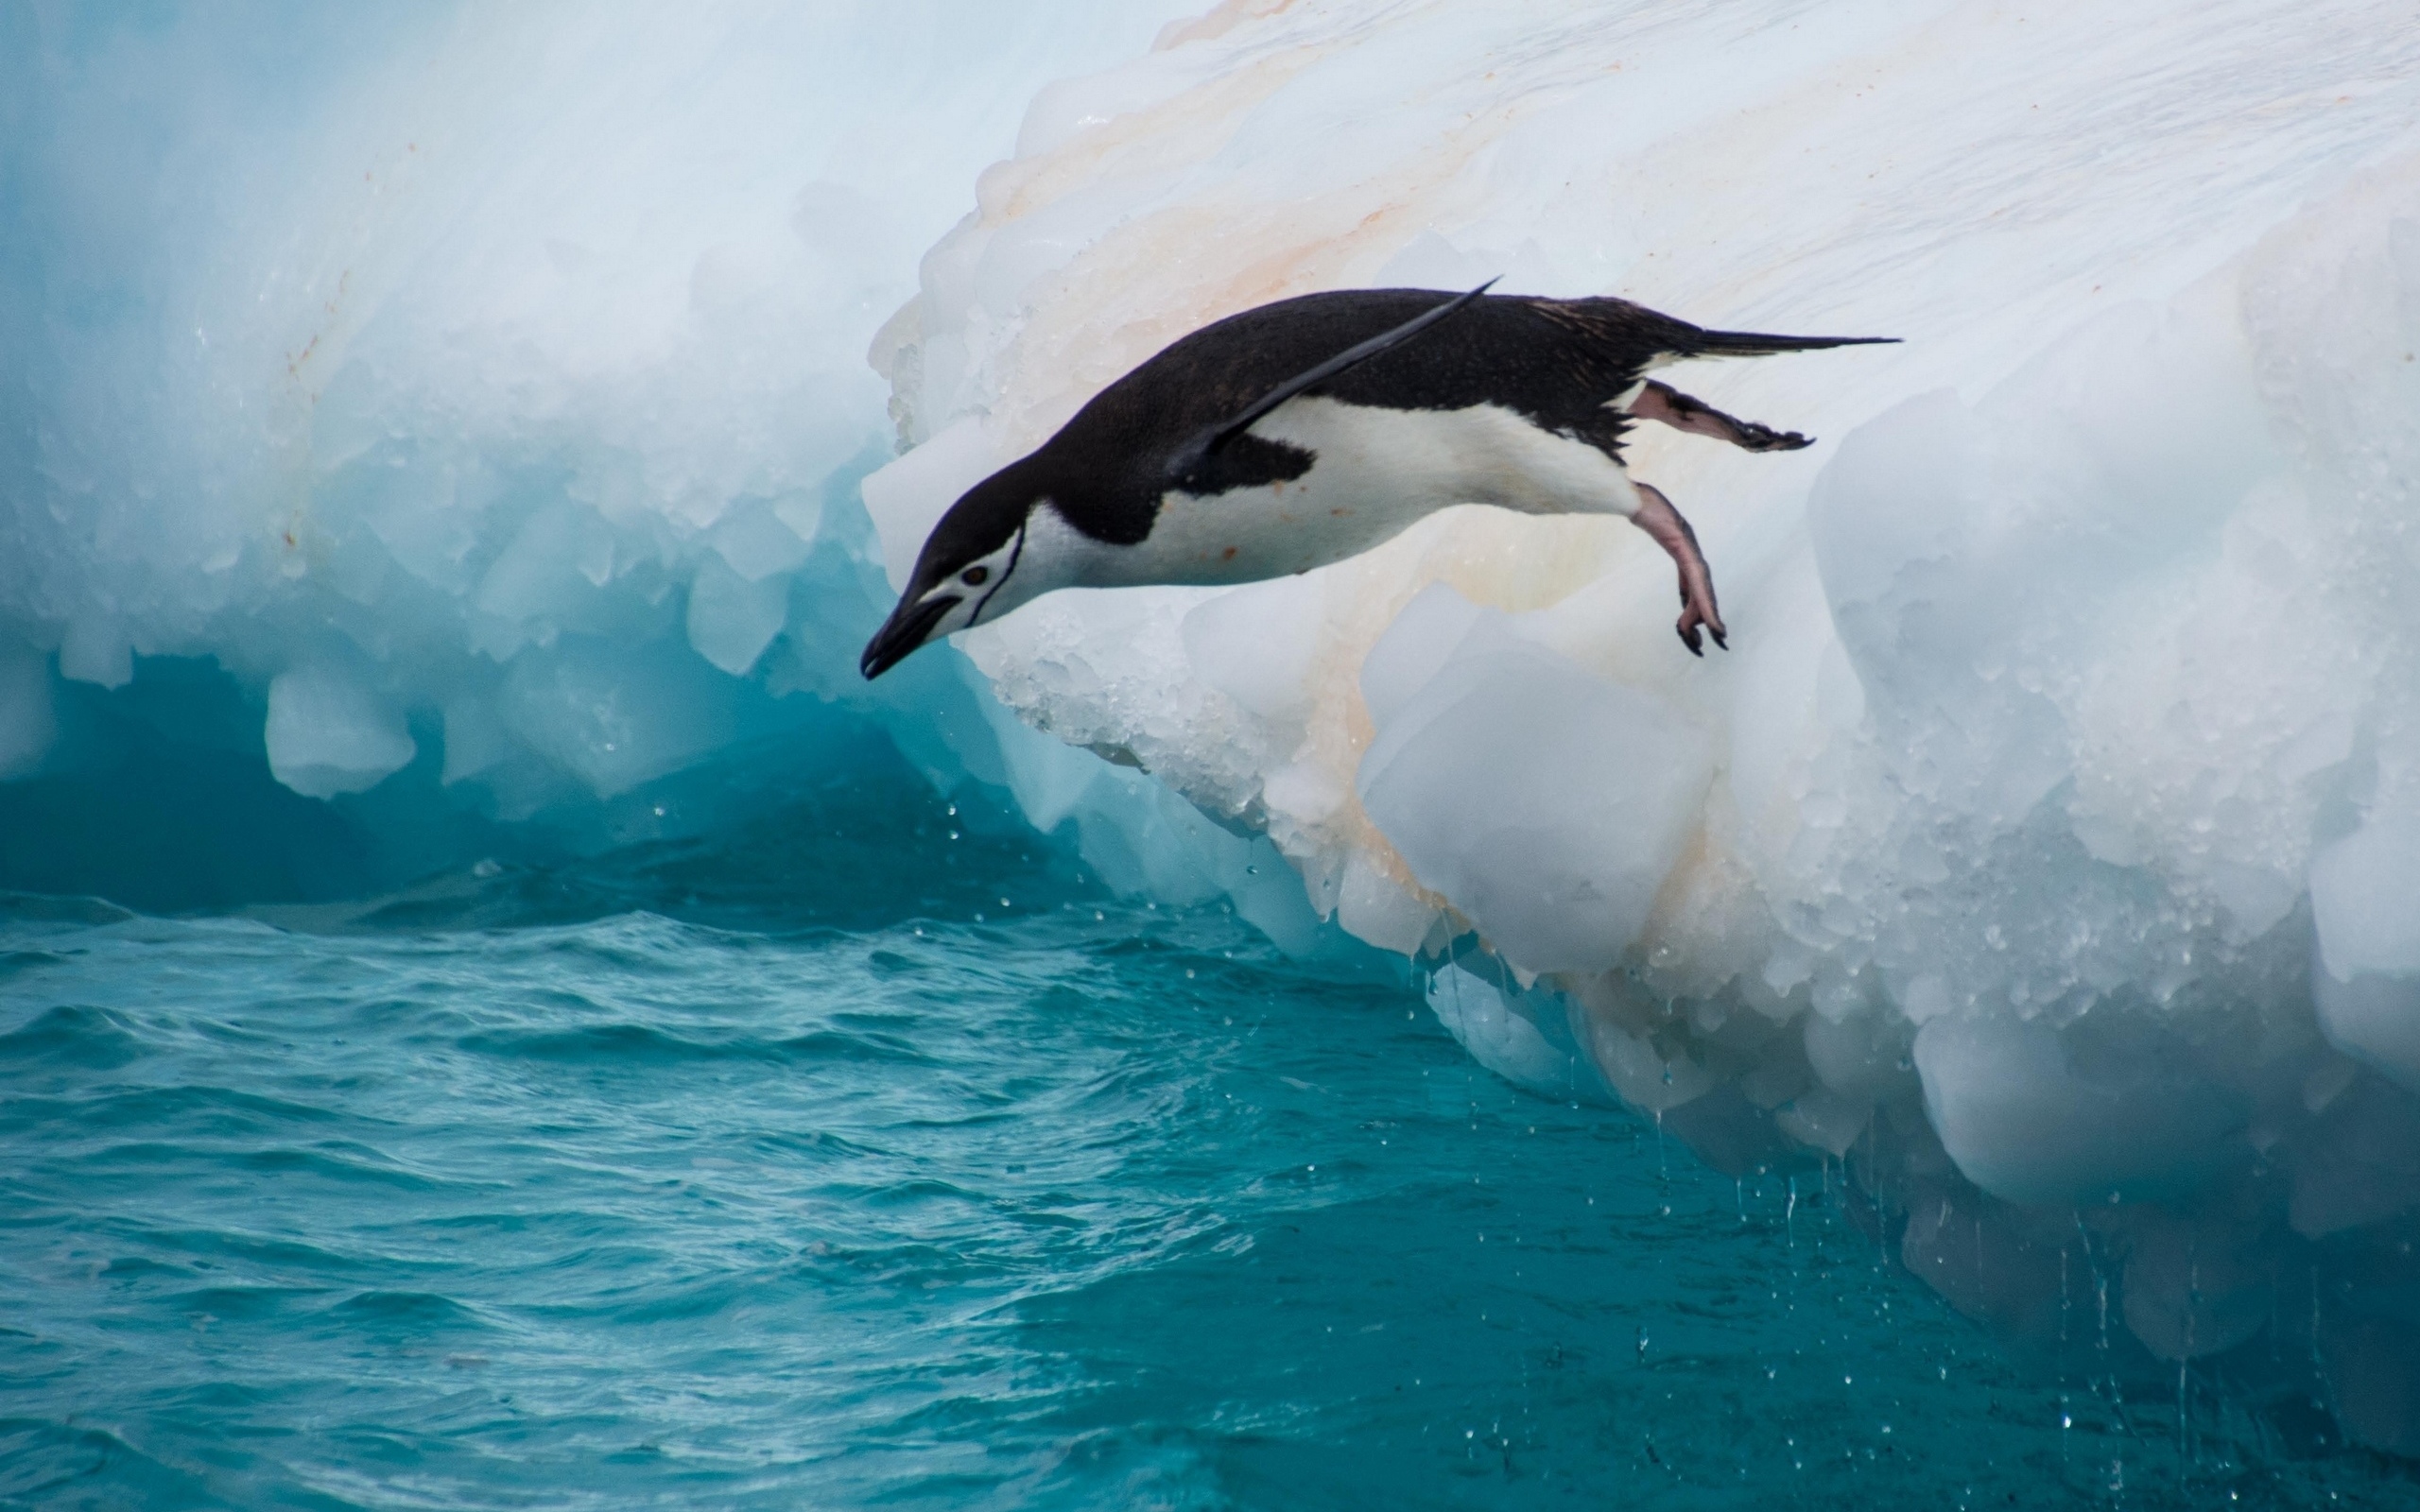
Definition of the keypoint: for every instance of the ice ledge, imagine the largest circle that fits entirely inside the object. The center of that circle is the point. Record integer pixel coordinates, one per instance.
(2071, 723)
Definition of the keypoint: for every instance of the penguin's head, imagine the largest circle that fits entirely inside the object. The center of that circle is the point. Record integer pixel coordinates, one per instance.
(968, 573)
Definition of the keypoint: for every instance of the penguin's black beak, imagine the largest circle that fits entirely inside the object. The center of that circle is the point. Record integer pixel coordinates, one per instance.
(907, 629)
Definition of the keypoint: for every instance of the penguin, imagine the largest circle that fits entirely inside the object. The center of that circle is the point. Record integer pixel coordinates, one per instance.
(1309, 430)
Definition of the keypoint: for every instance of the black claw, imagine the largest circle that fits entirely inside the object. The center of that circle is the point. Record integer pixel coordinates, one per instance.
(1720, 639)
(1691, 642)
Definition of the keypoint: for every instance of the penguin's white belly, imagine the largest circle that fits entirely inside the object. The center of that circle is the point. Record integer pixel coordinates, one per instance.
(1374, 473)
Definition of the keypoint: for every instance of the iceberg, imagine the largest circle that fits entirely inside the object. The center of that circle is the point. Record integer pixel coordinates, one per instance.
(2045, 846)
(430, 428)
(462, 412)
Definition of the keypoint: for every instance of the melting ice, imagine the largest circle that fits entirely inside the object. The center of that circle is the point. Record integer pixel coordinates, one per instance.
(2048, 847)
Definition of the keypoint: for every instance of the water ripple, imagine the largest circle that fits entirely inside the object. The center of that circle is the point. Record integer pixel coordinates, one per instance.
(1076, 1210)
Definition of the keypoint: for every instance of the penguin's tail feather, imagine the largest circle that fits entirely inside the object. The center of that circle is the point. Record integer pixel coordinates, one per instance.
(1751, 344)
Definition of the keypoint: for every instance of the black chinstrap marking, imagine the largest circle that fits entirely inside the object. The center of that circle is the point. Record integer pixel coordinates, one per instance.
(1007, 570)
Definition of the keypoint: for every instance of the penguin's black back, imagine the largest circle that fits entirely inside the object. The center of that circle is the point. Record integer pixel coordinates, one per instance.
(1556, 362)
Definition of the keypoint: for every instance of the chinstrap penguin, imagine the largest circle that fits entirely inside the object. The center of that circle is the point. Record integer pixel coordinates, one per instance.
(1303, 432)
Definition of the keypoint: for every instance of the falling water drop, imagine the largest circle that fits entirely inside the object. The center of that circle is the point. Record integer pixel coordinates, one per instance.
(2065, 1303)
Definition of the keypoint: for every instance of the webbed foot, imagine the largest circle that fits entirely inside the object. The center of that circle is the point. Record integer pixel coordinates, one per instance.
(1700, 617)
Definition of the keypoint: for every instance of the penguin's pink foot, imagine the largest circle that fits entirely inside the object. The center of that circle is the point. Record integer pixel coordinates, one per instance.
(1668, 406)
(1657, 517)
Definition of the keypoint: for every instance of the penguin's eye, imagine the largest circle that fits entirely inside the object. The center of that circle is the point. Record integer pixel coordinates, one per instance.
(972, 576)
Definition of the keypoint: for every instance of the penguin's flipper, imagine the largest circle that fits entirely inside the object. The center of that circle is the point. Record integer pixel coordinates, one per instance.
(1189, 458)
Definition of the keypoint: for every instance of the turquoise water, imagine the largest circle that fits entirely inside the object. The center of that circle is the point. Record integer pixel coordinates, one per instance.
(881, 1162)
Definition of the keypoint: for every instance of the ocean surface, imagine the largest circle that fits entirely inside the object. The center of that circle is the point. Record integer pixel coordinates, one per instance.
(870, 1155)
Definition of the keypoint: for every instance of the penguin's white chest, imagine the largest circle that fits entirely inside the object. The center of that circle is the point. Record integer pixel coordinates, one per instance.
(1374, 473)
